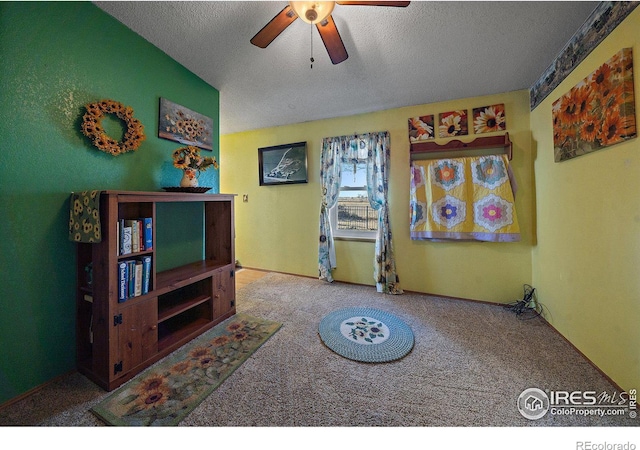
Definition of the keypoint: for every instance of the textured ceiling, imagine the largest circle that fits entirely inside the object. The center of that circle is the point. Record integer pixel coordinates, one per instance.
(424, 53)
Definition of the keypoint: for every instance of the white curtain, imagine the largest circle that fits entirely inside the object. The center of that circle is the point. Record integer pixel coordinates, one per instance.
(330, 169)
(374, 148)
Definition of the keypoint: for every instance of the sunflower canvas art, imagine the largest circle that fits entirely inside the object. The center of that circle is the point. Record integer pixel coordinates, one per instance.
(488, 119)
(453, 123)
(180, 124)
(598, 112)
(421, 128)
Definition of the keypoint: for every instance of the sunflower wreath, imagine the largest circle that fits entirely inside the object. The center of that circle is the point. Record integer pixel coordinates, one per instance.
(92, 127)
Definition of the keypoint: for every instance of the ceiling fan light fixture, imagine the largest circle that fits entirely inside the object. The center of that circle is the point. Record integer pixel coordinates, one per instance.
(313, 12)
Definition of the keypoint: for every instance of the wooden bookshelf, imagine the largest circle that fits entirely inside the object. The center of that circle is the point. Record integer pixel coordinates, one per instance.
(118, 339)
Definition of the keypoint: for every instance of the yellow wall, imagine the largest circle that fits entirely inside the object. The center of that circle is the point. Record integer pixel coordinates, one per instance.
(277, 229)
(580, 220)
(586, 264)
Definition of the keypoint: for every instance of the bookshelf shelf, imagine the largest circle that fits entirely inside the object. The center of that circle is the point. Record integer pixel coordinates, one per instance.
(134, 254)
(186, 274)
(116, 338)
(179, 335)
(177, 309)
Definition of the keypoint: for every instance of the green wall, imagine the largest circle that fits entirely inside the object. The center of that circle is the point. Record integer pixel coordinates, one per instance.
(56, 57)
(586, 262)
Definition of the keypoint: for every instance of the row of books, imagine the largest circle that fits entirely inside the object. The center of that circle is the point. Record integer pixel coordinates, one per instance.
(134, 277)
(135, 235)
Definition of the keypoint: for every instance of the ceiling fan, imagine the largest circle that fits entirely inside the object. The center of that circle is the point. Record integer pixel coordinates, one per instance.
(318, 14)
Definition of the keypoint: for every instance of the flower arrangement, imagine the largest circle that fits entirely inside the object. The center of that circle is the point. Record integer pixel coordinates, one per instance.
(189, 159)
(92, 127)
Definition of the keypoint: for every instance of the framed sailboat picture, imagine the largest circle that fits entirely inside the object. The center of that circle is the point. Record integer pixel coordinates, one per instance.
(283, 164)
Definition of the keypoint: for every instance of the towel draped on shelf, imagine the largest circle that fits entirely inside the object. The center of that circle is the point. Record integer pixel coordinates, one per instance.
(84, 217)
(469, 198)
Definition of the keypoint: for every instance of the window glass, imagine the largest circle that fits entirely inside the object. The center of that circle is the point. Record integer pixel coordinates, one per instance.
(353, 216)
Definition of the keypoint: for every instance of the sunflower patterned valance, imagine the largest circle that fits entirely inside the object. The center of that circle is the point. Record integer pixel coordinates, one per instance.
(469, 198)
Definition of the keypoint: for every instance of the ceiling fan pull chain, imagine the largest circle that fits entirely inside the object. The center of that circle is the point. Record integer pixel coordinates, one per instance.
(311, 36)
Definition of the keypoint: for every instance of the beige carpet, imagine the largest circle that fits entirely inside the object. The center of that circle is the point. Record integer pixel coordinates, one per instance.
(468, 366)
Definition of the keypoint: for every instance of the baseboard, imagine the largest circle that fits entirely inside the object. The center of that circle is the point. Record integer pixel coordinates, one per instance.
(373, 285)
(502, 305)
(275, 271)
(583, 355)
(34, 390)
(607, 377)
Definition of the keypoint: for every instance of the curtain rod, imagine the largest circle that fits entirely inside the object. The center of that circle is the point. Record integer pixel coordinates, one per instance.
(356, 135)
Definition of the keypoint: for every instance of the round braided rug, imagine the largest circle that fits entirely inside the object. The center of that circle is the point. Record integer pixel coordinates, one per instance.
(366, 334)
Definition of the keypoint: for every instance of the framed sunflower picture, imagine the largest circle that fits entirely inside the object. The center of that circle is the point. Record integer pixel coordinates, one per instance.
(179, 124)
(453, 123)
(421, 128)
(597, 112)
(488, 119)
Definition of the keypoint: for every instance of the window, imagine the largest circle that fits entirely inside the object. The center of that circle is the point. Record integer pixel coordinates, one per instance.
(353, 217)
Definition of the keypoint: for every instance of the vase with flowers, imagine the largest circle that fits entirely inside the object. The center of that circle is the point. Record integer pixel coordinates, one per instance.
(189, 160)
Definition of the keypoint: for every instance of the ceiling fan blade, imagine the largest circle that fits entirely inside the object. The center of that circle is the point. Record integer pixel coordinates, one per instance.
(332, 40)
(276, 26)
(399, 4)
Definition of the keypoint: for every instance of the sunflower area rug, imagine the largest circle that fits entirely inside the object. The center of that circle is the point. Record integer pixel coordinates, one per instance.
(169, 390)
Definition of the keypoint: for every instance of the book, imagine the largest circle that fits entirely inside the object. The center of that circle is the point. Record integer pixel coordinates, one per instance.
(137, 279)
(123, 278)
(148, 233)
(131, 267)
(146, 274)
(120, 233)
(135, 234)
(141, 235)
(126, 240)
